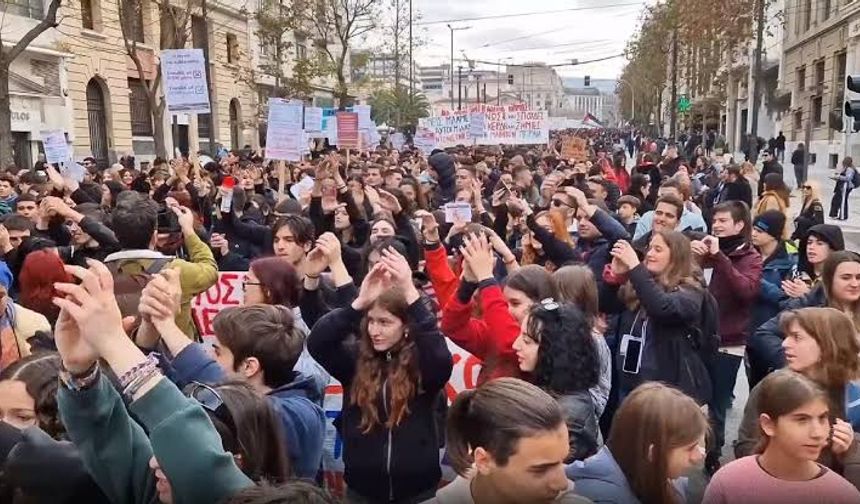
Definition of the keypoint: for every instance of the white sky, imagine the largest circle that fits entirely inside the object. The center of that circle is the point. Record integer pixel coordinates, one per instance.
(598, 30)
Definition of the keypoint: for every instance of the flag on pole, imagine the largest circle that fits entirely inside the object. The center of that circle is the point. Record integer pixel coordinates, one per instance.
(590, 119)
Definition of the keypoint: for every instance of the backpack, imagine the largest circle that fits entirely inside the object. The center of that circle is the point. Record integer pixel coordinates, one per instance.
(705, 337)
(855, 178)
(130, 276)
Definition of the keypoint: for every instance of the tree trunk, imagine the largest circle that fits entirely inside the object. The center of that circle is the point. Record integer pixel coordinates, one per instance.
(158, 131)
(6, 157)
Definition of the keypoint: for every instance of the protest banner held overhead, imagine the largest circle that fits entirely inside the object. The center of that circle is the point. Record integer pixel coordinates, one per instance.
(513, 125)
(56, 147)
(284, 136)
(450, 129)
(347, 130)
(185, 88)
(314, 122)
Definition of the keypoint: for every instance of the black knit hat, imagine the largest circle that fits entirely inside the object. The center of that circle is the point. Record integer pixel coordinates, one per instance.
(831, 234)
(771, 222)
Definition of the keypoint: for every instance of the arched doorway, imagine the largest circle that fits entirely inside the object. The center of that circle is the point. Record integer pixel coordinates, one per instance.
(235, 124)
(97, 117)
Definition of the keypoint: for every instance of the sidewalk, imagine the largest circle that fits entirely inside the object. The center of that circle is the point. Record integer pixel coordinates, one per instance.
(851, 227)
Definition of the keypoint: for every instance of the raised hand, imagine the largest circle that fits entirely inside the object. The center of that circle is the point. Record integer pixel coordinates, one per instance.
(377, 281)
(429, 226)
(400, 273)
(161, 299)
(389, 202)
(77, 354)
(624, 252)
(92, 306)
(478, 253)
(185, 218)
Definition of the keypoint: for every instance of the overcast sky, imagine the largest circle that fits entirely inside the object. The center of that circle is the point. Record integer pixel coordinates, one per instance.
(595, 31)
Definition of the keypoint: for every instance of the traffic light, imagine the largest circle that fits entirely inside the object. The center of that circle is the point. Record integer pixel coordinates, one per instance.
(587, 80)
(852, 107)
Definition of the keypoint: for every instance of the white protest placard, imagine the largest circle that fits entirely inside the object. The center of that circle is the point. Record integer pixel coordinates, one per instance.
(364, 120)
(458, 211)
(331, 130)
(314, 122)
(284, 135)
(477, 124)
(451, 129)
(424, 140)
(302, 186)
(514, 125)
(56, 148)
(185, 89)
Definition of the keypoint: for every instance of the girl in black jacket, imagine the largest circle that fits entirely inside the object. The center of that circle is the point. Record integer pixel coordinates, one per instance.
(391, 379)
(664, 307)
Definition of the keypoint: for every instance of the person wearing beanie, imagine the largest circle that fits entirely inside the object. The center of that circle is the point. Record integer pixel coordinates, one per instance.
(779, 263)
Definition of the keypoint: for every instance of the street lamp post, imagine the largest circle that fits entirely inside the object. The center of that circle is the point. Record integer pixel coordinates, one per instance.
(632, 98)
(452, 29)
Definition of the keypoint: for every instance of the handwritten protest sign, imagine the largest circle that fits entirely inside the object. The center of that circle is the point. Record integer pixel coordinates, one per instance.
(185, 88)
(56, 148)
(314, 122)
(514, 125)
(574, 148)
(228, 292)
(450, 129)
(284, 136)
(424, 140)
(347, 130)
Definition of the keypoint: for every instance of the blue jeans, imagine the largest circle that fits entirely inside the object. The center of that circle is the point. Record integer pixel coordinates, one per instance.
(724, 374)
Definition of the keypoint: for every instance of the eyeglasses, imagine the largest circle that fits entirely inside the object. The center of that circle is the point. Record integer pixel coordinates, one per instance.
(211, 401)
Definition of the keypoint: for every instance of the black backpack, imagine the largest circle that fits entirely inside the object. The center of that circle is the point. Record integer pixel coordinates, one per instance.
(705, 337)
(855, 178)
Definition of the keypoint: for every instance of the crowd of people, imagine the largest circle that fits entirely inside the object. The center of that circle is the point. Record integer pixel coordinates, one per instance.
(611, 310)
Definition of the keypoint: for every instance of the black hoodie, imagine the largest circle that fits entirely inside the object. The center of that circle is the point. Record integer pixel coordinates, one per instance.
(443, 164)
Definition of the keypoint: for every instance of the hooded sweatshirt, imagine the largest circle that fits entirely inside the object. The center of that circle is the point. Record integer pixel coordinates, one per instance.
(443, 164)
(296, 403)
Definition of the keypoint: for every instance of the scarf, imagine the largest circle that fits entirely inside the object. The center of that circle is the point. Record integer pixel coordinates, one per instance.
(731, 243)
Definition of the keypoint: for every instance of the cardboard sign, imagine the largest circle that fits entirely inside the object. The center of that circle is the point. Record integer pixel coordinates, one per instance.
(458, 211)
(185, 88)
(574, 148)
(347, 130)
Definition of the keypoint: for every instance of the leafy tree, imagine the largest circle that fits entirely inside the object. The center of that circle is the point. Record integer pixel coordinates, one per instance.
(398, 109)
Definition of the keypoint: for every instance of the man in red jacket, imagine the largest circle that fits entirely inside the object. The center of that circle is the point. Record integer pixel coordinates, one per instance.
(735, 271)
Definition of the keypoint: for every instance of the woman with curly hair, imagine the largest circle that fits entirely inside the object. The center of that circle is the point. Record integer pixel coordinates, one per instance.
(557, 353)
(391, 380)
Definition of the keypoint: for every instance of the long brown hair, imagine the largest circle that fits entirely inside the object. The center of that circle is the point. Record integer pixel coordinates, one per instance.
(397, 369)
(653, 420)
(682, 269)
(834, 333)
(828, 273)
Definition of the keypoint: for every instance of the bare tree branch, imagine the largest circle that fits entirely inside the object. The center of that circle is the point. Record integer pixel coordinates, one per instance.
(48, 22)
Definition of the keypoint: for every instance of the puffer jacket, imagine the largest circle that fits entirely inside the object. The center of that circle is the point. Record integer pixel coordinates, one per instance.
(780, 266)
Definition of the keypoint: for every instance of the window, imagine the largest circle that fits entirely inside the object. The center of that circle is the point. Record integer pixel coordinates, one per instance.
(141, 118)
(819, 75)
(806, 12)
(87, 15)
(301, 51)
(834, 161)
(798, 120)
(840, 60)
(132, 16)
(34, 9)
(800, 77)
(232, 48)
(817, 110)
(825, 10)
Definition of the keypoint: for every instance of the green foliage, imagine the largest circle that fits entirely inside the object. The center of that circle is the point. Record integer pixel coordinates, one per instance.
(398, 109)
